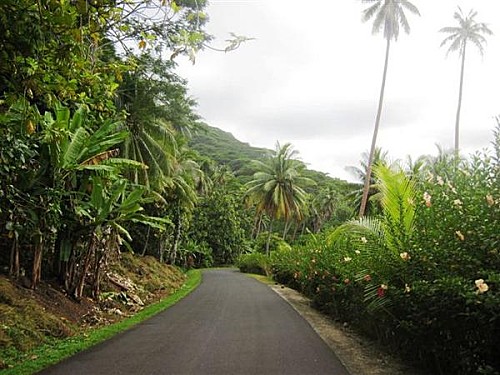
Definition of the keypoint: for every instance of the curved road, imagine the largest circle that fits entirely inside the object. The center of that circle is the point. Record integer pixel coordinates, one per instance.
(231, 324)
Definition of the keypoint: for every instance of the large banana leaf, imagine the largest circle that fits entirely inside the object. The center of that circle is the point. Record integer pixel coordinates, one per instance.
(73, 153)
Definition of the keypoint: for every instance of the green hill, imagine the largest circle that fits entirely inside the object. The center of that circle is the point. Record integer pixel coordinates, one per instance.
(225, 149)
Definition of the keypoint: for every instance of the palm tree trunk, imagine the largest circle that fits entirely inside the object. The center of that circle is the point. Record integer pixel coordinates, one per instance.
(288, 224)
(366, 187)
(269, 236)
(459, 107)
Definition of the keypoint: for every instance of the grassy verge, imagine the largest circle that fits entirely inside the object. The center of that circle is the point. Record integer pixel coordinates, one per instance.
(263, 279)
(49, 354)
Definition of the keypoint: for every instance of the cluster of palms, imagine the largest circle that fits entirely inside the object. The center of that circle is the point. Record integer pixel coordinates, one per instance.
(389, 16)
(280, 191)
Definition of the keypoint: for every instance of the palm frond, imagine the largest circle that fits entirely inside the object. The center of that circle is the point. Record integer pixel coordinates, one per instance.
(370, 12)
(411, 7)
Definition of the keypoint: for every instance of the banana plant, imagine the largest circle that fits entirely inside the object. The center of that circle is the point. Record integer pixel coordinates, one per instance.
(73, 146)
(73, 149)
(111, 205)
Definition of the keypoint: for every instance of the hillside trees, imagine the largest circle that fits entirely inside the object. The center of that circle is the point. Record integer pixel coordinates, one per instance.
(277, 187)
(221, 223)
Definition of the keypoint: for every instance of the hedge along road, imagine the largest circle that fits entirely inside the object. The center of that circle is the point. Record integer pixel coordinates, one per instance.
(231, 324)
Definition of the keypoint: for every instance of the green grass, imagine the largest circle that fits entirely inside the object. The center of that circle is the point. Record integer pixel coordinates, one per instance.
(52, 353)
(263, 279)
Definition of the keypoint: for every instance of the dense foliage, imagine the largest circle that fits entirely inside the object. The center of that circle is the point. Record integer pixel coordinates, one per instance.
(221, 224)
(101, 151)
(69, 193)
(422, 277)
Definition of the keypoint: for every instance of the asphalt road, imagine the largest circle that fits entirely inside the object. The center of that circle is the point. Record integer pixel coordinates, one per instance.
(231, 324)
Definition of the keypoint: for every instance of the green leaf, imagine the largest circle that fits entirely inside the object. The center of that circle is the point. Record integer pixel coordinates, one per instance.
(73, 152)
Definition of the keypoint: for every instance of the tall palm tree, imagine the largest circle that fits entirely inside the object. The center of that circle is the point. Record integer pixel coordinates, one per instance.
(467, 31)
(277, 187)
(388, 15)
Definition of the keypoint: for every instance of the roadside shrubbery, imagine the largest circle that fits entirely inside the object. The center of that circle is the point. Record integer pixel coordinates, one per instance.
(423, 277)
(254, 263)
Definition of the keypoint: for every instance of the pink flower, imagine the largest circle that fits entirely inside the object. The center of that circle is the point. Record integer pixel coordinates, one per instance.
(381, 290)
(367, 278)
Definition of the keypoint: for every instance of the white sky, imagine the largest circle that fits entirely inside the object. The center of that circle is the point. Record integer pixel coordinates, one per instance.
(312, 77)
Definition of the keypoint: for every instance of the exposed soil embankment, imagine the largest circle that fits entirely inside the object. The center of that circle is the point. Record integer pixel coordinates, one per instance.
(29, 318)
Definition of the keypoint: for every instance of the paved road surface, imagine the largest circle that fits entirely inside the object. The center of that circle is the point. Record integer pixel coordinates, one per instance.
(231, 324)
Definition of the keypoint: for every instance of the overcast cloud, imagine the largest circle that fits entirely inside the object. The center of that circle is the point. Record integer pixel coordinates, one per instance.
(312, 77)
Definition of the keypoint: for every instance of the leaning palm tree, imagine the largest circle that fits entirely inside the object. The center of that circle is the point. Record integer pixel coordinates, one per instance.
(388, 15)
(277, 187)
(467, 31)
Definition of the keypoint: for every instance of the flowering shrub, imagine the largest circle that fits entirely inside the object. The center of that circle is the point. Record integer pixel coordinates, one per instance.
(424, 277)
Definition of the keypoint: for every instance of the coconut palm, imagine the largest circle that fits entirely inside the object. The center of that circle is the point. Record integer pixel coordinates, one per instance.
(467, 31)
(388, 15)
(277, 187)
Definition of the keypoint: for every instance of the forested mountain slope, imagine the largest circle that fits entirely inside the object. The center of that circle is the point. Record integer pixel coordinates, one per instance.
(224, 148)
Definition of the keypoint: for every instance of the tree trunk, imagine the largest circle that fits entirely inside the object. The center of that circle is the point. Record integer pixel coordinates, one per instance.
(269, 236)
(161, 249)
(459, 106)
(36, 273)
(297, 226)
(14, 258)
(78, 292)
(257, 226)
(366, 187)
(177, 236)
(285, 230)
(144, 249)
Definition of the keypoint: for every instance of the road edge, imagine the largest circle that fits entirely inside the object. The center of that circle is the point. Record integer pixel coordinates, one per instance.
(358, 355)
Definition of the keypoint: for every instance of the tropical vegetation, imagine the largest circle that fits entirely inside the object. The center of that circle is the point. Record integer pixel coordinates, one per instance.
(421, 277)
(102, 153)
